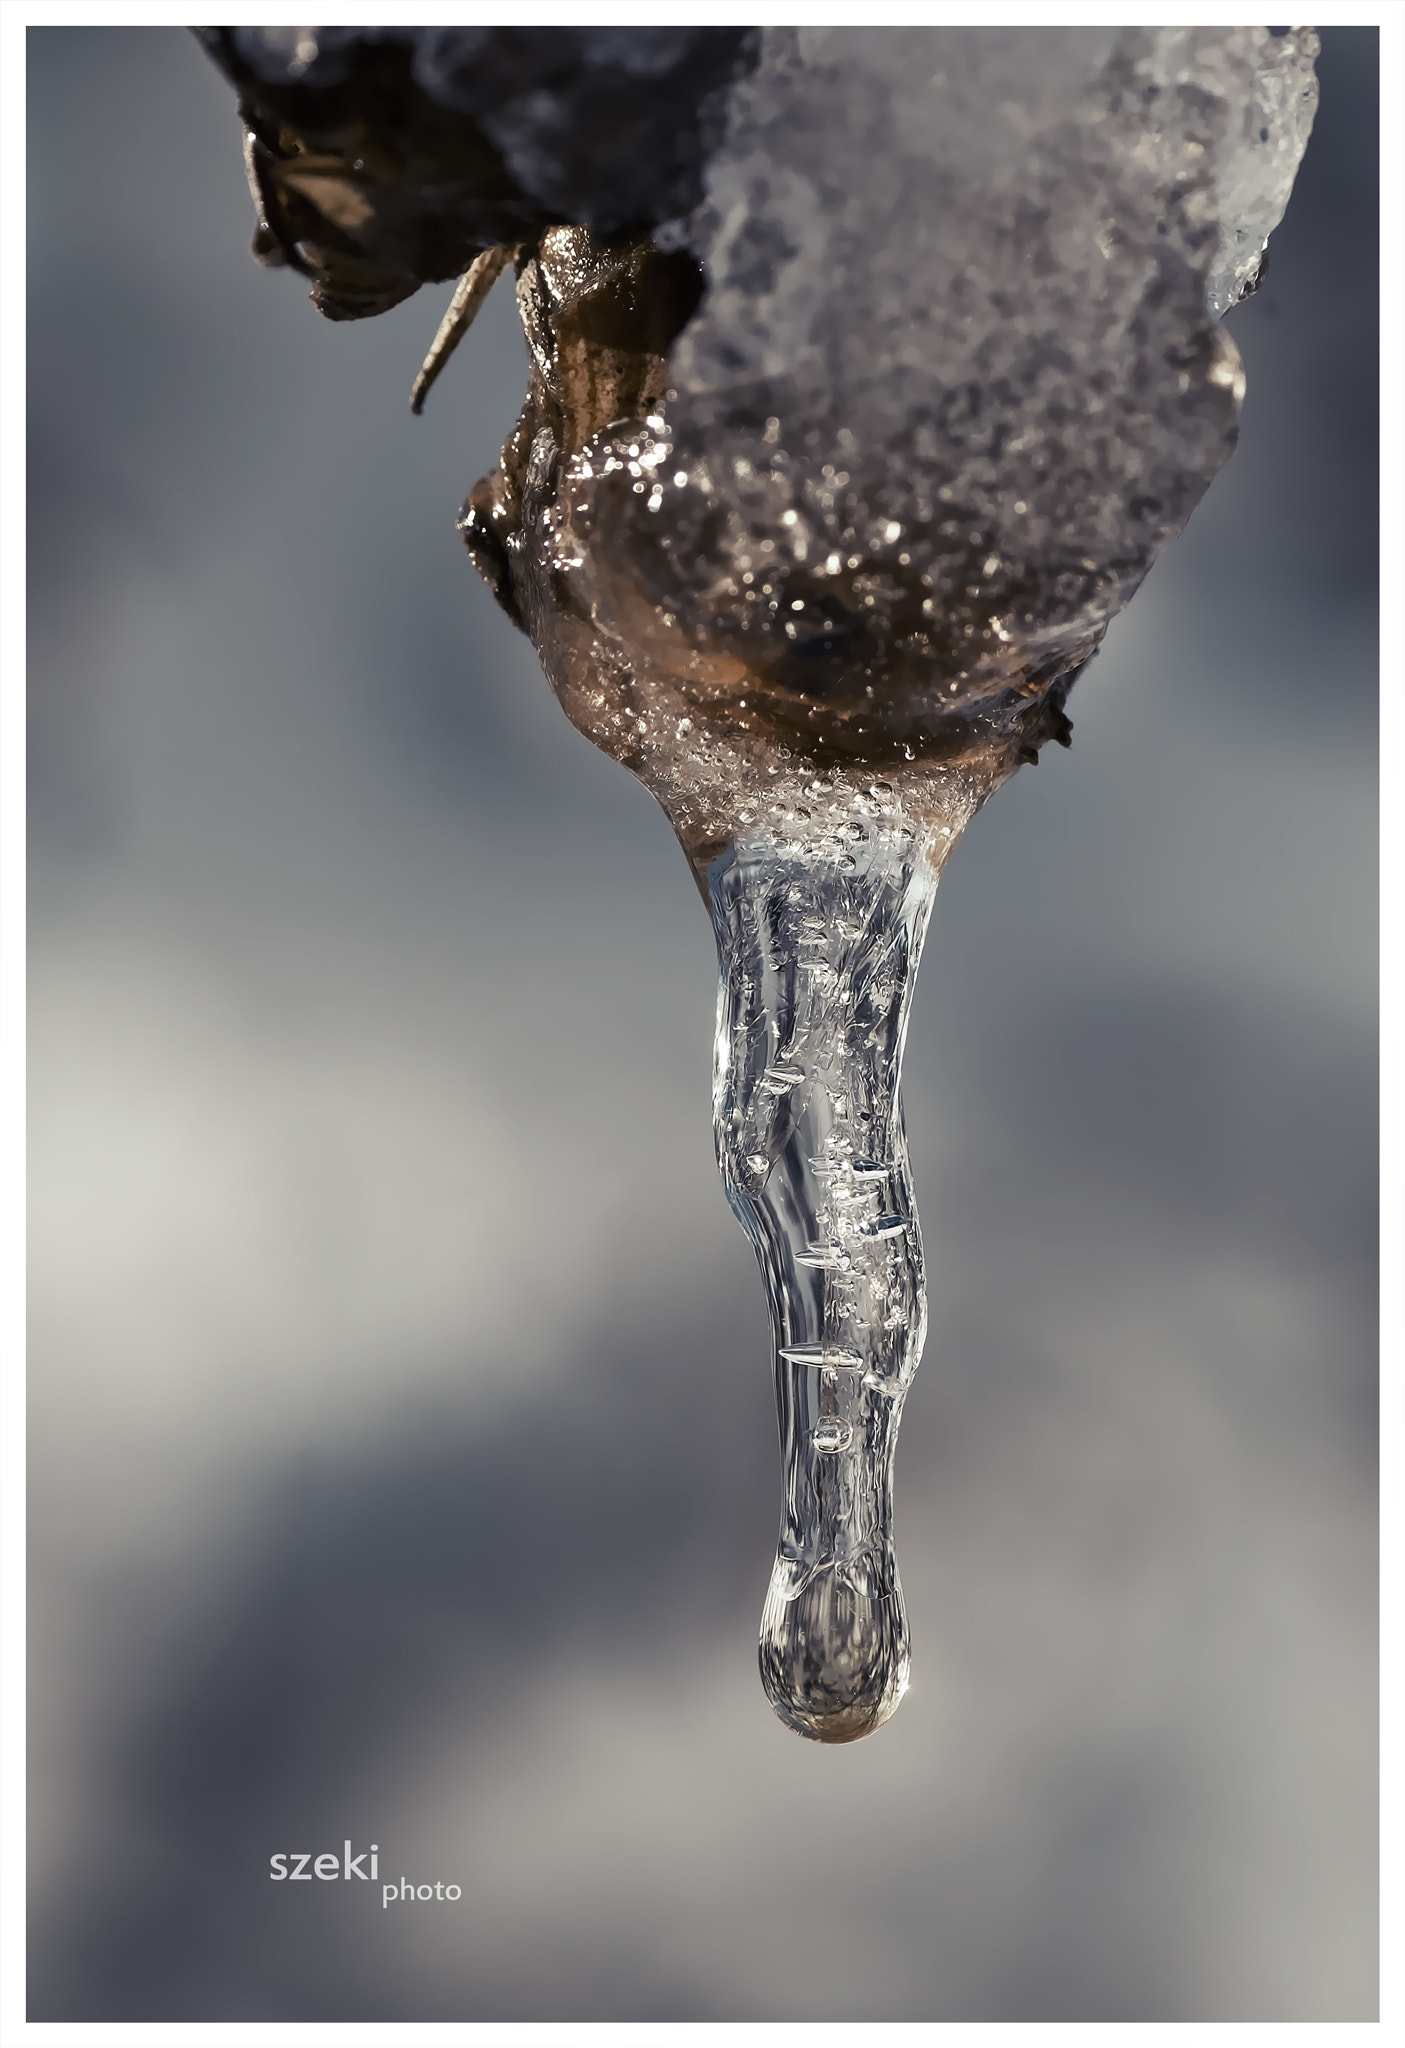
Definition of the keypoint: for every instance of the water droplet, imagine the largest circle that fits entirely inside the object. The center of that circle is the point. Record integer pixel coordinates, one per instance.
(834, 1650)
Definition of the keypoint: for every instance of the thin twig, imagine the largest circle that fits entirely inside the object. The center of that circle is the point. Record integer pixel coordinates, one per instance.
(469, 293)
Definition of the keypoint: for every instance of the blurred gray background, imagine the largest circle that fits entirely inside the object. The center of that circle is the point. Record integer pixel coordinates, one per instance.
(404, 1465)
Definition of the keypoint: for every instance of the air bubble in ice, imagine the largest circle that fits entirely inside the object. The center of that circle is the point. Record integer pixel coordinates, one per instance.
(831, 1433)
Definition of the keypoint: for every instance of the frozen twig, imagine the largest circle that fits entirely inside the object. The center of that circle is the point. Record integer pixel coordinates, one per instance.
(469, 293)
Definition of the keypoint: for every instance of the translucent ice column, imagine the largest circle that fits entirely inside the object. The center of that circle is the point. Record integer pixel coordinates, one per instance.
(820, 919)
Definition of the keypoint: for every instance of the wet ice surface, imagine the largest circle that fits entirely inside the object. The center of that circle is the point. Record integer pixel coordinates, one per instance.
(820, 923)
(955, 381)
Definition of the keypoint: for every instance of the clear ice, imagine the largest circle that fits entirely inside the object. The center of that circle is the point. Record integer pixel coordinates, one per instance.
(820, 919)
(823, 494)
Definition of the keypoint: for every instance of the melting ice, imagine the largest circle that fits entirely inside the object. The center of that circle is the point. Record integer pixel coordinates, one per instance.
(823, 494)
(955, 381)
